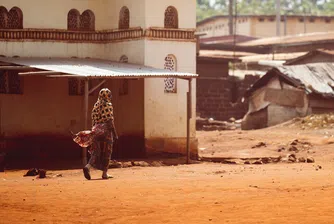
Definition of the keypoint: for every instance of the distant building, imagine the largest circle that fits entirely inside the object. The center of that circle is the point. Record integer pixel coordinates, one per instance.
(261, 26)
(287, 92)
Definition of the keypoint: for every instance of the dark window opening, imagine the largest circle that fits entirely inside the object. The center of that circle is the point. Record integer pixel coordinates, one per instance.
(171, 18)
(76, 87)
(12, 19)
(124, 18)
(10, 82)
(83, 22)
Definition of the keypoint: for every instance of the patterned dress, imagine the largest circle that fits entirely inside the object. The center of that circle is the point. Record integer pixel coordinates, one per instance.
(101, 137)
(103, 116)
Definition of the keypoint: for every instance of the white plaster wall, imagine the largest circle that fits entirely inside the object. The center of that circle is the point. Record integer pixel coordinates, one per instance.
(244, 26)
(253, 27)
(208, 28)
(165, 113)
(155, 12)
(51, 49)
(49, 14)
(221, 27)
(136, 8)
(134, 50)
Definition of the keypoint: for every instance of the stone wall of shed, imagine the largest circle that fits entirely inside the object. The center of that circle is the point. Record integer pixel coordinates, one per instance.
(221, 98)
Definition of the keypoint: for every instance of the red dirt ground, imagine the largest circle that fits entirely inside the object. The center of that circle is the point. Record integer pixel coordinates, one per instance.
(199, 193)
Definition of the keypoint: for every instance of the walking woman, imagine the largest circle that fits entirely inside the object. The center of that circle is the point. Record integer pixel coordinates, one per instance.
(104, 135)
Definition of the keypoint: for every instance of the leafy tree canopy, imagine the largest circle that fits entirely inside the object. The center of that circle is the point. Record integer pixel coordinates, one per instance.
(208, 8)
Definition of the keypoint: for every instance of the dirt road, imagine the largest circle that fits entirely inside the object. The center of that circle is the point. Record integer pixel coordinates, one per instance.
(201, 193)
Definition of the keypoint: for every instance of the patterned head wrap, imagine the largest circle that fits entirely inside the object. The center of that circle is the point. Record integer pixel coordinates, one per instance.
(105, 94)
(103, 109)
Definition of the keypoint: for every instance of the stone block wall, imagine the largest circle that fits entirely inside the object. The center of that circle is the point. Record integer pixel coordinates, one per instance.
(221, 98)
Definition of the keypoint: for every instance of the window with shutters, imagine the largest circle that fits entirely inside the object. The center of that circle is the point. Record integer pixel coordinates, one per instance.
(171, 18)
(124, 18)
(12, 19)
(83, 22)
(170, 83)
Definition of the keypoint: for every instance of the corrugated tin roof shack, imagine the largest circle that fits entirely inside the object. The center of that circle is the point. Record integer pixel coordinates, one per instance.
(286, 92)
(47, 97)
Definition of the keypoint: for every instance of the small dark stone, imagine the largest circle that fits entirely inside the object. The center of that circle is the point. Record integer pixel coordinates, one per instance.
(265, 160)
(42, 173)
(247, 162)
(259, 162)
(293, 149)
(294, 142)
(32, 172)
(228, 162)
(318, 167)
(301, 160)
(260, 144)
(276, 160)
(281, 149)
(310, 160)
(292, 158)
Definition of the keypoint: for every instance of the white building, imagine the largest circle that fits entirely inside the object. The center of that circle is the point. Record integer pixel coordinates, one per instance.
(262, 26)
(36, 112)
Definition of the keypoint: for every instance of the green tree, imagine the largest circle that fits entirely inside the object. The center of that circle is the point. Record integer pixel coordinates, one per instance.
(265, 7)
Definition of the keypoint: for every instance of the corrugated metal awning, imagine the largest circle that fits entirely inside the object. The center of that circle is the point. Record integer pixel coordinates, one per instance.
(94, 68)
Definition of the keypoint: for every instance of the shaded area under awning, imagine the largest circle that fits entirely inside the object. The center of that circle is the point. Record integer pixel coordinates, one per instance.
(86, 68)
